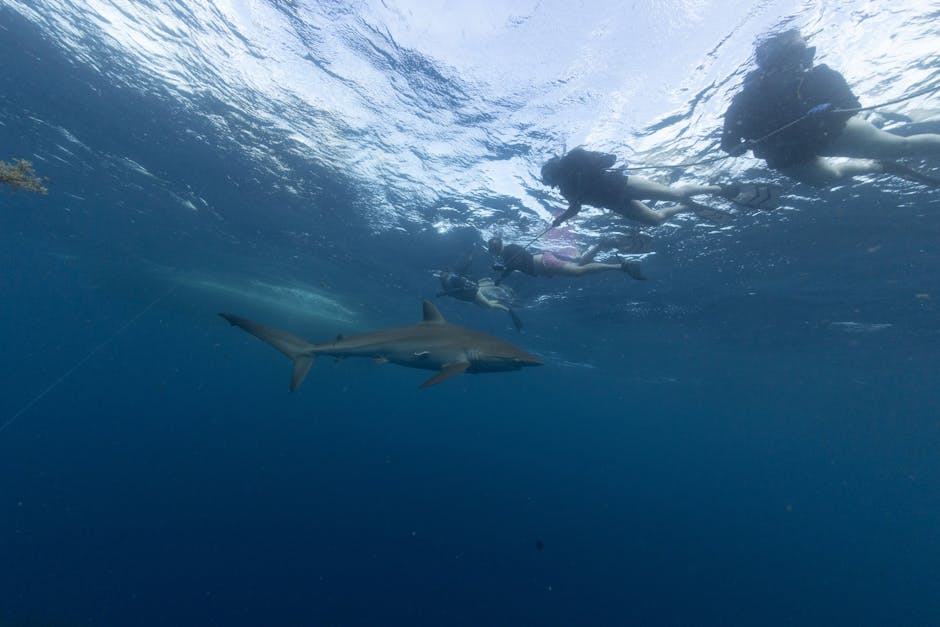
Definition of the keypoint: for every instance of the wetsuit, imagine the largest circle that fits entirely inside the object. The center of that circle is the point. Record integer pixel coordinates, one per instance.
(583, 179)
(516, 257)
(773, 99)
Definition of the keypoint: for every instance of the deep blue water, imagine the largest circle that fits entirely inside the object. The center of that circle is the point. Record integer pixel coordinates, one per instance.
(750, 437)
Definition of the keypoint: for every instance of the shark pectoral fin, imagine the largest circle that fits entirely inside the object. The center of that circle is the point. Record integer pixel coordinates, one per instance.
(447, 372)
(301, 366)
(380, 360)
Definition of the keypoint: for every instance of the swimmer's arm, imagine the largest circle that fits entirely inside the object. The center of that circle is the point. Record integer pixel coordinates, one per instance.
(571, 212)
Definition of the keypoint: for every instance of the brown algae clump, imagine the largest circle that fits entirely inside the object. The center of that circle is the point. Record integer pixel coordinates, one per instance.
(20, 175)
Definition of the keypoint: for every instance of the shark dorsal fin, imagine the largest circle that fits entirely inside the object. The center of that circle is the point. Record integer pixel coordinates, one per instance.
(431, 314)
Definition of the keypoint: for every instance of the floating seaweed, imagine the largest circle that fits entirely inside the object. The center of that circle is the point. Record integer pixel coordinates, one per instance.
(20, 175)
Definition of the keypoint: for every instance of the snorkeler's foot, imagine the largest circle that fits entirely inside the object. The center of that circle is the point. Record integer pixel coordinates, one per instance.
(752, 195)
(633, 269)
(908, 173)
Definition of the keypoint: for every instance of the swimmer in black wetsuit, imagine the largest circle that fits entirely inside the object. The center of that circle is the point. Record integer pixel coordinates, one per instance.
(785, 88)
(483, 292)
(584, 177)
(513, 257)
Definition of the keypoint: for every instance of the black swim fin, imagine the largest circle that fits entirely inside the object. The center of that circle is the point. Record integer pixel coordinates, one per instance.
(761, 196)
(710, 214)
(635, 243)
(634, 269)
(909, 174)
(516, 321)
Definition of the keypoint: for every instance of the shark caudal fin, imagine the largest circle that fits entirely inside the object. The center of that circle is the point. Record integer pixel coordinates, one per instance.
(296, 348)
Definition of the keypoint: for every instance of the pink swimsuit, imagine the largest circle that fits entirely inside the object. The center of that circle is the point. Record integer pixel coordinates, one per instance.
(551, 265)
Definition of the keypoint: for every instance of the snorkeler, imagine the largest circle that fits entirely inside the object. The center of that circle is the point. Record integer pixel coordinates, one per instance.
(584, 177)
(512, 257)
(793, 114)
(484, 293)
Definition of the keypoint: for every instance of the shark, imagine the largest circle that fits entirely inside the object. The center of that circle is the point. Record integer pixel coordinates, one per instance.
(432, 344)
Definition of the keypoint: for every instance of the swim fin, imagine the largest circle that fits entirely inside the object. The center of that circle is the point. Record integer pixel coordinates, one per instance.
(633, 269)
(516, 321)
(910, 174)
(635, 243)
(710, 214)
(753, 195)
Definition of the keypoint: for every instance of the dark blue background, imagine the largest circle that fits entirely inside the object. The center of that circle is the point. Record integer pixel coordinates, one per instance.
(726, 453)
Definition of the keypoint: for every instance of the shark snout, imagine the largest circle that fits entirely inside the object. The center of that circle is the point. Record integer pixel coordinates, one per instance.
(532, 362)
(526, 359)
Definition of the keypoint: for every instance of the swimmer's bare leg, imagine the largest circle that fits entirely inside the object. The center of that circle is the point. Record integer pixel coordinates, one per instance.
(588, 255)
(822, 172)
(863, 140)
(573, 269)
(639, 187)
(483, 301)
(639, 212)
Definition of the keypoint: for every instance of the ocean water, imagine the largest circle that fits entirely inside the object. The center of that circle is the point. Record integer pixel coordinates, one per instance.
(750, 437)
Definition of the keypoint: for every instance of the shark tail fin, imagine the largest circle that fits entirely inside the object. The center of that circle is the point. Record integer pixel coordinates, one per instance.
(297, 349)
